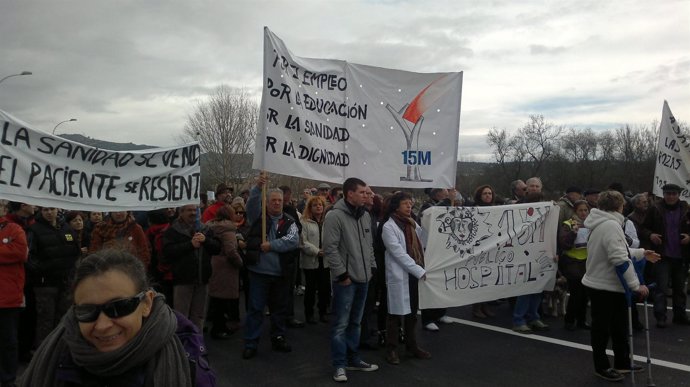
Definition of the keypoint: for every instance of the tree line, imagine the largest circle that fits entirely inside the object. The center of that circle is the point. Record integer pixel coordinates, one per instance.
(225, 125)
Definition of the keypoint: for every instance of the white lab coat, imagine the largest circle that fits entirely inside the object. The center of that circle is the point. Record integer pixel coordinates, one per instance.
(398, 265)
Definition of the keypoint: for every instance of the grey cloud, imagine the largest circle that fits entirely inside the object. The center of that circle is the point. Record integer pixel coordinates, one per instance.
(538, 49)
(131, 69)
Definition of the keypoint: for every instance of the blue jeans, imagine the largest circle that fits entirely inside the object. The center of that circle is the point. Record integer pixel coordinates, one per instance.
(266, 290)
(348, 307)
(526, 309)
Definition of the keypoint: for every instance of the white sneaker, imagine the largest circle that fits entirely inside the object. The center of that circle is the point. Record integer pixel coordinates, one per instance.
(362, 366)
(445, 320)
(340, 375)
(431, 327)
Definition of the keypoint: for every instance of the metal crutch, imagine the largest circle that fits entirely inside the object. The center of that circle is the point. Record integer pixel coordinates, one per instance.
(650, 381)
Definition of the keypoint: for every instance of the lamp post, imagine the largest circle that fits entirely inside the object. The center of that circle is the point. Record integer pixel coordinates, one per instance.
(62, 122)
(16, 75)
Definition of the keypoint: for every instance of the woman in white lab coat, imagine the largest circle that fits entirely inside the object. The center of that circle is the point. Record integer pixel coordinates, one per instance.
(402, 237)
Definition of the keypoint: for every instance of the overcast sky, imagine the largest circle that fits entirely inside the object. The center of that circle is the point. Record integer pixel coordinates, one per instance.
(131, 71)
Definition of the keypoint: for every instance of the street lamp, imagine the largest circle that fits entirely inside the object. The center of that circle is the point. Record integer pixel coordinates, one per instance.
(62, 122)
(16, 75)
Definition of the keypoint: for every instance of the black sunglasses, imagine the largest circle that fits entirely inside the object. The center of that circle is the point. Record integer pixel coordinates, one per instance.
(114, 309)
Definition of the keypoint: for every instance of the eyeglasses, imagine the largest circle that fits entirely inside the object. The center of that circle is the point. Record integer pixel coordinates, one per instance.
(114, 309)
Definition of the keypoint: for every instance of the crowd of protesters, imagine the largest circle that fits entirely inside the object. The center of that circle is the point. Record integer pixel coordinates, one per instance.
(355, 255)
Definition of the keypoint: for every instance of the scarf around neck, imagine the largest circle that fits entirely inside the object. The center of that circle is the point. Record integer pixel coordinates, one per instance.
(156, 347)
(412, 243)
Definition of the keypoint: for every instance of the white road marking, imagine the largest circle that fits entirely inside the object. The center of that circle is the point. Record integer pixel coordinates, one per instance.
(642, 359)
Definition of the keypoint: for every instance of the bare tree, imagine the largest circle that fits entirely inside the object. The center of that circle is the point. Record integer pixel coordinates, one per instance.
(225, 126)
(499, 141)
(579, 145)
(538, 140)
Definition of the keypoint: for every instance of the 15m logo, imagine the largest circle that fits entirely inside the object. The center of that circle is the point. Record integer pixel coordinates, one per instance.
(416, 157)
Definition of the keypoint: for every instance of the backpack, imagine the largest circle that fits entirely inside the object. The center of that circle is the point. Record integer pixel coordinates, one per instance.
(196, 352)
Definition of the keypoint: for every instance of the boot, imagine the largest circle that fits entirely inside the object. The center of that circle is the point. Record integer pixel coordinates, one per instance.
(392, 357)
(392, 326)
(477, 311)
(486, 310)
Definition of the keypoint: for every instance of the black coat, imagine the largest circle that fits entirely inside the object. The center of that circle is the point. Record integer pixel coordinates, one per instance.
(179, 252)
(53, 253)
(655, 223)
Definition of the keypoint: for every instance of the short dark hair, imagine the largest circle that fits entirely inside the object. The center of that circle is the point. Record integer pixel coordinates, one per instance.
(73, 214)
(351, 184)
(159, 216)
(112, 259)
(394, 202)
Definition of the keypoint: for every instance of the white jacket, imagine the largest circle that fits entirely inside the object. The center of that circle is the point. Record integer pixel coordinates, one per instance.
(607, 249)
(309, 249)
(398, 265)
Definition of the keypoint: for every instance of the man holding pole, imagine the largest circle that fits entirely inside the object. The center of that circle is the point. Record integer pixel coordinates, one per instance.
(188, 249)
(268, 262)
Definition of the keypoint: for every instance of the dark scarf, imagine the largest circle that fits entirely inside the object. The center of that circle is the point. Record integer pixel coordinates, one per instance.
(412, 243)
(356, 212)
(671, 207)
(156, 347)
(110, 231)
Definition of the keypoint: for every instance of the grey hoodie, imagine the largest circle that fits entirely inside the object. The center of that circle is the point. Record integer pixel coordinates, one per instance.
(348, 243)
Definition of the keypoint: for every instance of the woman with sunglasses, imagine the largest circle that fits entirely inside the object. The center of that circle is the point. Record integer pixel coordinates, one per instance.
(119, 332)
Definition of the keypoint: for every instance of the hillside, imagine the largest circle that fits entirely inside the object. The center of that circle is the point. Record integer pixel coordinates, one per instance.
(116, 146)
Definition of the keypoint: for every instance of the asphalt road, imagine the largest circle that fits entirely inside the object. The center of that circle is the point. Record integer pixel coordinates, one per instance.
(467, 352)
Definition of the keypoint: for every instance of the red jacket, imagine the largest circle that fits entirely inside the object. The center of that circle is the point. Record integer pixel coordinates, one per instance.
(210, 212)
(13, 253)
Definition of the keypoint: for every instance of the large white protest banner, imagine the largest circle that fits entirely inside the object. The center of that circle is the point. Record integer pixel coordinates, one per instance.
(673, 156)
(46, 170)
(477, 254)
(329, 119)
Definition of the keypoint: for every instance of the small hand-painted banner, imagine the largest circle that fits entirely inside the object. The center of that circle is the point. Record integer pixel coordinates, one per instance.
(673, 156)
(328, 120)
(477, 254)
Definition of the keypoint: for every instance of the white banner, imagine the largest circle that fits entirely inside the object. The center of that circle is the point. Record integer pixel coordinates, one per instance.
(477, 254)
(45, 170)
(328, 120)
(673, 156)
